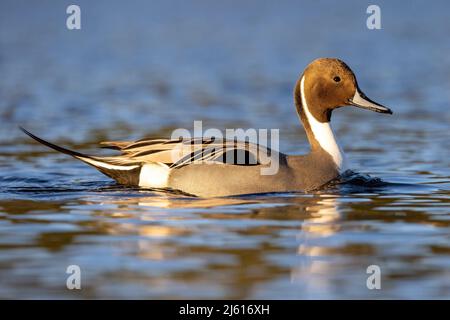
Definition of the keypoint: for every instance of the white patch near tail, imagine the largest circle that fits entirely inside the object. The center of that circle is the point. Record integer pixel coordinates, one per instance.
(154, 175)
(323, 133)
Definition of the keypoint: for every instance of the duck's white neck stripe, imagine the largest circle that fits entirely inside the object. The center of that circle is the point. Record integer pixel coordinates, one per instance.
(323, 133)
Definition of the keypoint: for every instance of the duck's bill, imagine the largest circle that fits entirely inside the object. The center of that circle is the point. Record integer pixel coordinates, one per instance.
(361, 101)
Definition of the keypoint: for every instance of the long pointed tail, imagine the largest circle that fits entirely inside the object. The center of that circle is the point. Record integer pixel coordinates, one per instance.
(74, 154)
(125, 172)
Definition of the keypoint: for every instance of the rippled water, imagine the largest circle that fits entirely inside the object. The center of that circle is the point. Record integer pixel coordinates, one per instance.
(146, 68)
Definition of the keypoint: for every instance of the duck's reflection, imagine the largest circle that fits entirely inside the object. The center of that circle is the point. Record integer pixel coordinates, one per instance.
(157, 222)
(314, 269)
(323, 217)
(241, 233)
(181, 202)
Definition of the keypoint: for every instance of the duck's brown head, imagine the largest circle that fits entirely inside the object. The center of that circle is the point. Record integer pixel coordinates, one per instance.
(327, 84)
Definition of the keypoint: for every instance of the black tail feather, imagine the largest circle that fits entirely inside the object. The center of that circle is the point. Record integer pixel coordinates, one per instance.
(54, 146)
(123, 173)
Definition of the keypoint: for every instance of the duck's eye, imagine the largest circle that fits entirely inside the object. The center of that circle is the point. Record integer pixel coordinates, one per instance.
(337, 79)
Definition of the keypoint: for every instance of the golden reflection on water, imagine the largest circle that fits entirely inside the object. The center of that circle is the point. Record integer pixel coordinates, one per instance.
(319, 215)
(237, 244)
(181, 202)
(149, 229)
(323, 217)
(322, 223)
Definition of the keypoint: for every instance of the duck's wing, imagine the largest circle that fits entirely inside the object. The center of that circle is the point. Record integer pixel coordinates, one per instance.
(177, 153)
(125, 146)
(116, 145)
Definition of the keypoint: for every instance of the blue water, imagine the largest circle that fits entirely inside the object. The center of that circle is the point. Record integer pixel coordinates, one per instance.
(148, 67)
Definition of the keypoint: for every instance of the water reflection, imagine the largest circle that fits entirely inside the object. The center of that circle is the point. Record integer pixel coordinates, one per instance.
(323, 217)
(313, 271)
(306, 245)
(314, 216)
(163, 200)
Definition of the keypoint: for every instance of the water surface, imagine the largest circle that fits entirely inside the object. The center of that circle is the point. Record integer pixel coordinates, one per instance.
(146, 68)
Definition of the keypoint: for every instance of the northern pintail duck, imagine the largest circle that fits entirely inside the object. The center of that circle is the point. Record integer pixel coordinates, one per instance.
(189, 166)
